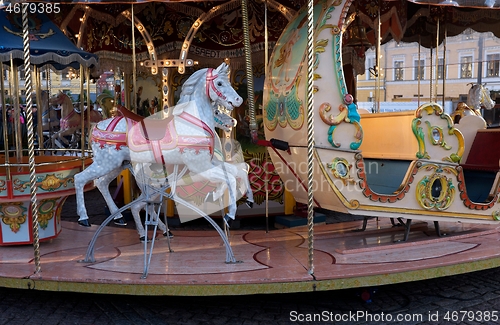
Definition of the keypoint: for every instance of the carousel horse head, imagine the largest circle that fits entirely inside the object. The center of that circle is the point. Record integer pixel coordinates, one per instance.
(479, 96)
(223, 120)
(107, 103)
(217, 90)
(62, 99)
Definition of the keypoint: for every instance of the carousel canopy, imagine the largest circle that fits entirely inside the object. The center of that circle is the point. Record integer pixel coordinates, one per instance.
(48, 45)
(103, 27)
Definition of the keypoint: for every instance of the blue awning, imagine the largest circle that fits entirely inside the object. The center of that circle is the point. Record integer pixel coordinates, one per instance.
(48, 44)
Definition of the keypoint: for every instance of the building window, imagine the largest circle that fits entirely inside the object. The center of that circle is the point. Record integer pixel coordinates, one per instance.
(398, 71)
(492, 65)
(441, 73)
(418, 70)
(466, 67)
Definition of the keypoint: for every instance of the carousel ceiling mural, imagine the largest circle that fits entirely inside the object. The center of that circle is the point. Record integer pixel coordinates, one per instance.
(106, 30)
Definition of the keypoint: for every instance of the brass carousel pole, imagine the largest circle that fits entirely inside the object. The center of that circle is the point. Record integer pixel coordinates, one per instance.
(431, 76)
(38, 93)
(15, 116)
(82, 111)
(444, 62)
(437, 62)
(310, 133)
(377, 61)
(4, 128)
(418, 73)
(89, 111)
(31, 146)
(134, 63)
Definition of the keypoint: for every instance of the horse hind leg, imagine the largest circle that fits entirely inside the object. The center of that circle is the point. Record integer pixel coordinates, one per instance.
(136, 208)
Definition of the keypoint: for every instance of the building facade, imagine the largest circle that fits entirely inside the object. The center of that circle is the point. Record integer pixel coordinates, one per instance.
(409, 73)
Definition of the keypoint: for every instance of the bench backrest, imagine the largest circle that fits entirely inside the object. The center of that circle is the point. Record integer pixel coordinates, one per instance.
(485, 151)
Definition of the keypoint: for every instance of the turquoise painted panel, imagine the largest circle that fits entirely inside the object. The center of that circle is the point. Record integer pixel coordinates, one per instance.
(384, 176)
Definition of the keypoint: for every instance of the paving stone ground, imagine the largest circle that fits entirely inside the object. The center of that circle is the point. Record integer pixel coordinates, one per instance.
(472, 298)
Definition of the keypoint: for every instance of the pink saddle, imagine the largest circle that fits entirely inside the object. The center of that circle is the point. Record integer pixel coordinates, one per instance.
(161, 135)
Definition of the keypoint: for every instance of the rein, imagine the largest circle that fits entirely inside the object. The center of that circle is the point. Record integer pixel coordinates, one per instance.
(210, 84)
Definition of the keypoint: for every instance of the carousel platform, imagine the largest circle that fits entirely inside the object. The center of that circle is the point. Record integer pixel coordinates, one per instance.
(271, 262)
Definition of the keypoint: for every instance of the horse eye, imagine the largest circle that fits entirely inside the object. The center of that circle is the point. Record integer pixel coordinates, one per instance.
(219, 84)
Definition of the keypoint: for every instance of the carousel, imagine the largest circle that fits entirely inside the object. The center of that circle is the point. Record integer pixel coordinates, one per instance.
(425, 183)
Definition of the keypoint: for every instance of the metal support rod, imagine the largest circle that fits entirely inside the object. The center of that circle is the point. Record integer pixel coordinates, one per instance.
(31, 144)
(310, 133)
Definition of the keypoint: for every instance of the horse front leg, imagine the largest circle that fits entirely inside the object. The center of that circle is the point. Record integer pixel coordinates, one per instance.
(102, 184)
(90, 173)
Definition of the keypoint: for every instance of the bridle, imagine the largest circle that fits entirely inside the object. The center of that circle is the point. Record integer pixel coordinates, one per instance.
(210, 84)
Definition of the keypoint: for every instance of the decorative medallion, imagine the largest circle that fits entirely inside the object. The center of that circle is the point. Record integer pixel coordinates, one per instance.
(46, 212)
(340, 168)
(435, 191)
(13, 214)
(436, 135)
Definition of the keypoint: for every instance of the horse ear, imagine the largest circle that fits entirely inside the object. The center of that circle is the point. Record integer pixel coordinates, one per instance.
(222, 69)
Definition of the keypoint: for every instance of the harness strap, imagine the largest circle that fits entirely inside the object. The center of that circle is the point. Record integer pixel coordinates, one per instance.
(210, 84)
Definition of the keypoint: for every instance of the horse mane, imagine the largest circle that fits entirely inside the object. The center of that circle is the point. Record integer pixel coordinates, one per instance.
(191, 83)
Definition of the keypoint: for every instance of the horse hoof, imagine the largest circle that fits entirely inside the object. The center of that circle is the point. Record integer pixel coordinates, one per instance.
(249, 204)
(227, 219)
(169, 234)
(120, 221)
(84, 223)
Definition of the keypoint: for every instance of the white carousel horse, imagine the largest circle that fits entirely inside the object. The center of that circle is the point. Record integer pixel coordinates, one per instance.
(478, 97)
(191, 125)
(70, 122)
(236, 167)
